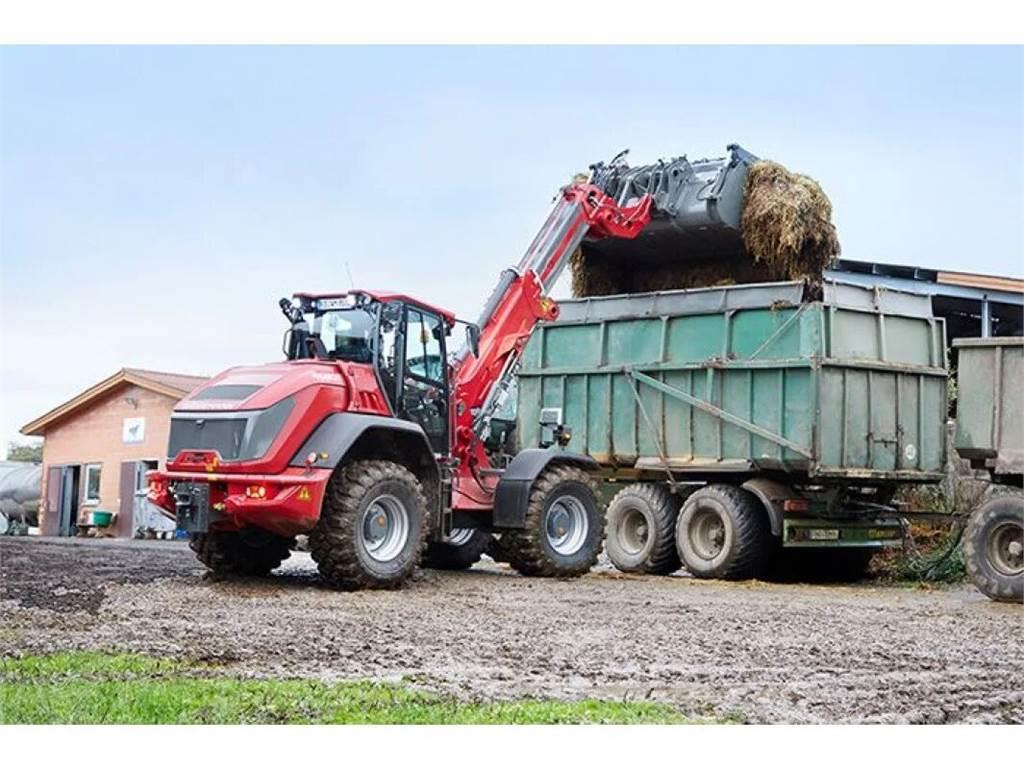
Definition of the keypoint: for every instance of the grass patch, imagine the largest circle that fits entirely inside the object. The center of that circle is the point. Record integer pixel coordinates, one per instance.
(97, 688)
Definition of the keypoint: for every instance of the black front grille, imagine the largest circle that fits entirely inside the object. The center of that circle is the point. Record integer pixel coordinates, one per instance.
(222, 435)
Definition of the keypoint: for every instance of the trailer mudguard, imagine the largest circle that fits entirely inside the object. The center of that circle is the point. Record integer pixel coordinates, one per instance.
(513, 493)
(338, 433)
(771, 493)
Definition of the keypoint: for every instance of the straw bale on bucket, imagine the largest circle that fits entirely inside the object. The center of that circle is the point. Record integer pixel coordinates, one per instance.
(787, 223)
(787, 234)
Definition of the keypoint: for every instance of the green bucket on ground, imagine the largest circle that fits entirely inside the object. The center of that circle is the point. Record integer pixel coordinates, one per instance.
(101, 518)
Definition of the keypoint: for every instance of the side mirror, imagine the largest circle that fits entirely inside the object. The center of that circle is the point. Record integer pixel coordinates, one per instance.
(473, 338)
(288, 343)
(294, 344)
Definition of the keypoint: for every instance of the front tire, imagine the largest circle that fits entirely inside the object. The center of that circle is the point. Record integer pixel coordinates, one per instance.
(249, 552)
(372, 527)
(459, 550)
(993, 545)
(723, 533)
(641, 530)
(564, 526)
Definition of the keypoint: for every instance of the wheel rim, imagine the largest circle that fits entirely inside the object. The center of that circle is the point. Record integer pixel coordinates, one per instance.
(566, 525)
(385, 528)
(707, 534)
(633, 531)
(1006, 548)
(459, 537)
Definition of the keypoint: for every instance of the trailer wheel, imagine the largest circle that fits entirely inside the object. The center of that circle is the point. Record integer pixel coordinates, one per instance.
(459, 550)
(372, 529)
(641, 526)
(994, 548)
(250, 552)
(722, 533)
(564, 526)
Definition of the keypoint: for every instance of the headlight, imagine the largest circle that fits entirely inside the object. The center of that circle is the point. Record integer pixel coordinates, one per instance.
(265, 427)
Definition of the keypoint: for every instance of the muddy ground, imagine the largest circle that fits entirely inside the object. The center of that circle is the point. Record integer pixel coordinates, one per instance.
(750, 651)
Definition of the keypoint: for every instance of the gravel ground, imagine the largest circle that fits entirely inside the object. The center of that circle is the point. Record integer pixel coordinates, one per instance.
(753, 651)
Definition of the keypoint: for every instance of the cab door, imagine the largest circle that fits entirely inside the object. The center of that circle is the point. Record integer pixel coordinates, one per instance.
(423, 397)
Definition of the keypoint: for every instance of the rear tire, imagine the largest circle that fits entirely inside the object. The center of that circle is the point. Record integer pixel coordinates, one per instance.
(372, 527)
(564, 526)
(722, 533)
(993, 542)
(462, 549)
(497, 550)
(641, 530)
(248, 552)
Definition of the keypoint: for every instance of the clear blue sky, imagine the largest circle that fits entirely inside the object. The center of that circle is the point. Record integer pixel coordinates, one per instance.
(157, 201)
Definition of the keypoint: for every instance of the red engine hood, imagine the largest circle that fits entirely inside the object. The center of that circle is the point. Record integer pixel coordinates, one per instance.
(257, 387)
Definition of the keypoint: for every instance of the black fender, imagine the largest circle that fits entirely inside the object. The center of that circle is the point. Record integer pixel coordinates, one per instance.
(338, 433)
(772, 494)
(512, 495)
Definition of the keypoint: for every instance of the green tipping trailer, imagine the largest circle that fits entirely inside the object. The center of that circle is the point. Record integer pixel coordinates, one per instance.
(768, 419)
(990, 435)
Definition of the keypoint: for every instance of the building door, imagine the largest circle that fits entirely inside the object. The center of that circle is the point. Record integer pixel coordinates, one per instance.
(132, 514)
(132, 511)
(54, 492)
(67, 516)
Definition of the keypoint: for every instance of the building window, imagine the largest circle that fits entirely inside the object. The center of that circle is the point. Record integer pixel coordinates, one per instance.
(92, 485)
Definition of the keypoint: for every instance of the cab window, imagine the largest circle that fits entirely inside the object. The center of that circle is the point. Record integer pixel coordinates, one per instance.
(424, 394)
(423, 347)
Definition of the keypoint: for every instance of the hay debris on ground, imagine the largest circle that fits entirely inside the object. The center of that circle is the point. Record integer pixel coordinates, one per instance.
(787, 234)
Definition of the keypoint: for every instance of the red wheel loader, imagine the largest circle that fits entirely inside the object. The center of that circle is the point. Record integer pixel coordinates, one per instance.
(378, 444)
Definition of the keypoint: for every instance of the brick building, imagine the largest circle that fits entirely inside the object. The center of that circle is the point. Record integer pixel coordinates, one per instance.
(98, 446)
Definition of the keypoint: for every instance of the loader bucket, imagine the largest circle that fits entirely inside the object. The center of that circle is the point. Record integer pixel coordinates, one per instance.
(696, 212)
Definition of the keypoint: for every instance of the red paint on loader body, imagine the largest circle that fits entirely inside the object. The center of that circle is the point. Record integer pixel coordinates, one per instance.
(292, 496)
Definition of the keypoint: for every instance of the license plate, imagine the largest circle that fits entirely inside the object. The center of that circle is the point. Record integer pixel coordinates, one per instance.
(820, 535)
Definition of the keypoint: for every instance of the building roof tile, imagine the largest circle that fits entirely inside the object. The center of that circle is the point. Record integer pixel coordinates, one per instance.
(174, 385)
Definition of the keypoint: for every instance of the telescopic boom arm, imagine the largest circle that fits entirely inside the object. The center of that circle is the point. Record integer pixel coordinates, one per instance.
(515, 306)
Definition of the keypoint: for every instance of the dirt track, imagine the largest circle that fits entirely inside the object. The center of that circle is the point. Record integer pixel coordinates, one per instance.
(757, 652)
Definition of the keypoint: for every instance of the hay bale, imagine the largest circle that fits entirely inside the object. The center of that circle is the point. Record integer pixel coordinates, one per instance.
(594, 274)
(787, 223)
(787, 234)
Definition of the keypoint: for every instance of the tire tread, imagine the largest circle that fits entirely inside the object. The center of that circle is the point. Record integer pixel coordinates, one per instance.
(750, 529)
(663, 558)
(524, 548)
(225, 553)
(331, 544)
(996, 587)
(441, 555)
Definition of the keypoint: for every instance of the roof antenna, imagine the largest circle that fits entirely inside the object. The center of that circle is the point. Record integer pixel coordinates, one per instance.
(351, 283)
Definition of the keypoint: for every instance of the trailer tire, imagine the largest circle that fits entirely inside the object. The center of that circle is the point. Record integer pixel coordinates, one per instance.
(372, 528)
(992, 548)
(563, 529)
(641, 530)
(248, 552)
(722, 533)
(461, 550)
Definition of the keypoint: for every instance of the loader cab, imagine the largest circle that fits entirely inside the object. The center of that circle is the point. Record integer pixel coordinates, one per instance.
(404, 340)
(413, 367)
